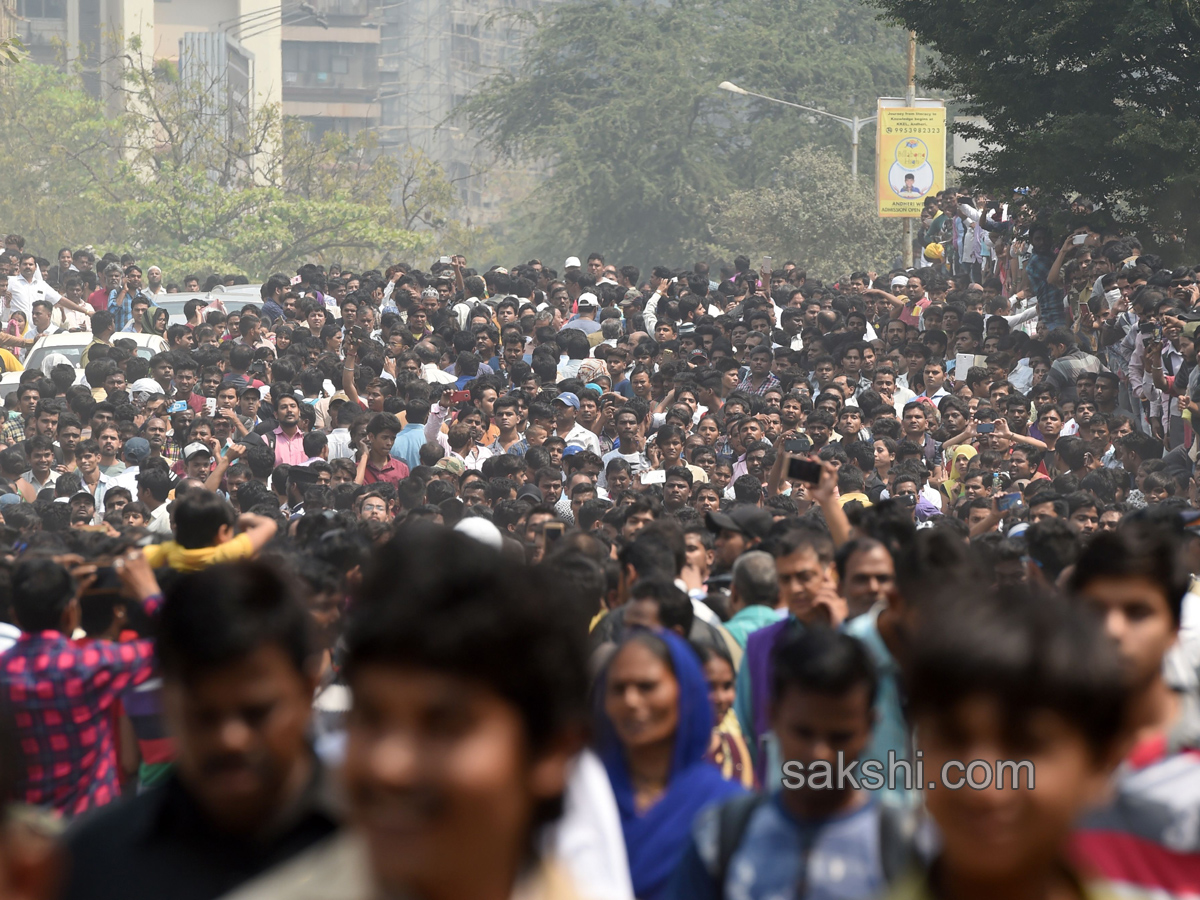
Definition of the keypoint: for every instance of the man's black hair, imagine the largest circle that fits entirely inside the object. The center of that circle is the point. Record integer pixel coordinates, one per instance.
(801, 537)
(199, 516)
(219, 615)
(674, 606)
(440, 602)
(934, 556)
(1025, 651)
(1137, 549)
(650, 555)
(1053, 544)
(157, 484)
(41, 591)
(822, 661)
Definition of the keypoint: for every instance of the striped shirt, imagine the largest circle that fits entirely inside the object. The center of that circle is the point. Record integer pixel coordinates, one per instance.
(1147, 840)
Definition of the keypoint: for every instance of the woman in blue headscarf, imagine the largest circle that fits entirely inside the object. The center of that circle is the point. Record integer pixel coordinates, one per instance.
(654, 726)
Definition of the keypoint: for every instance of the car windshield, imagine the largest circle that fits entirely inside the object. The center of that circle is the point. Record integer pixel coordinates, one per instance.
(175, 307)
(73, 352)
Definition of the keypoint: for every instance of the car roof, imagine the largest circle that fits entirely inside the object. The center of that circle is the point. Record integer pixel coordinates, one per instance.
(73, 338)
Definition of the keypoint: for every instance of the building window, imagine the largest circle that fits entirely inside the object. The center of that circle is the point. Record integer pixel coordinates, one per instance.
(341, 65)
(43, 9)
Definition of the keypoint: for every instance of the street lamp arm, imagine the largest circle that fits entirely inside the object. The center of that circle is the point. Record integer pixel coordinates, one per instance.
(855, 124)
(734, 89)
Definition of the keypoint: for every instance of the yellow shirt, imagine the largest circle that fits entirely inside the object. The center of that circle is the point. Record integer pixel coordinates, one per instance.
(87, 352)
(183, 560)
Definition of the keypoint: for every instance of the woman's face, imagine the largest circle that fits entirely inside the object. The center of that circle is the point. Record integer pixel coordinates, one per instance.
(719, 675)
(882, 456)
(708, 431)
(671, 448)
(961, 464)
(641, 697)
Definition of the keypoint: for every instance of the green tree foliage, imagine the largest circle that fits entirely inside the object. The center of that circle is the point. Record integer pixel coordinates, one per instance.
(618, 101)
(814, 212)
(190, 186)
(1096, 97)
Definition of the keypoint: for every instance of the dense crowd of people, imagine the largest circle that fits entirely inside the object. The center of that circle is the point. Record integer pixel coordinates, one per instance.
(594, 583)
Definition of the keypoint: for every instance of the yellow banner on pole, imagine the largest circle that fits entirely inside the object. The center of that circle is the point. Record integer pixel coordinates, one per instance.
(911, 158)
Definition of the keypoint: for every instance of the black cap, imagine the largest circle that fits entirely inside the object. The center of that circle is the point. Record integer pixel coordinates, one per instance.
(751, 521)
(531, 492)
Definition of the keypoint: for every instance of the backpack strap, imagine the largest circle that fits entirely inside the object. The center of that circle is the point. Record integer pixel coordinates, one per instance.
(733, 818)
(897, 841)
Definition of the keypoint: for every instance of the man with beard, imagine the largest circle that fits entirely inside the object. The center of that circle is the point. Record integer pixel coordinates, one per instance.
(247, 791)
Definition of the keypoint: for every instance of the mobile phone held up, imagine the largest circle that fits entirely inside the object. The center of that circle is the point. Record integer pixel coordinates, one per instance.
(985, 428)
(553, 532)
(1005, 502)
(797, 446)
(800, 469)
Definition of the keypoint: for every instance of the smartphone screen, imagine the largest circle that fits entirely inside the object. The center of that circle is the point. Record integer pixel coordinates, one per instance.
(1008, 501)
(806, 470)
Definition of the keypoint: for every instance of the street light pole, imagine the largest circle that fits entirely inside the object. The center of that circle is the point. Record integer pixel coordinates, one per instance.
(855, 124)
(910, 98)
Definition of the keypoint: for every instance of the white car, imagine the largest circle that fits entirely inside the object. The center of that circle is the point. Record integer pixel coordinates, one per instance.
(175, 303)
(71, 345)
(253, 291)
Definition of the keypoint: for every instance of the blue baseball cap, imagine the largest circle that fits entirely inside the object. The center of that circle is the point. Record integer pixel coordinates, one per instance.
(137, 448)
(567, 398)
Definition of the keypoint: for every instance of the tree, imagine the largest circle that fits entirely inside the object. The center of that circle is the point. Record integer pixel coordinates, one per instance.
(613, 97)
(214, 182)
(814, 212)
(617, 100)
(1092, 97)
(53, 151)
(187, 182)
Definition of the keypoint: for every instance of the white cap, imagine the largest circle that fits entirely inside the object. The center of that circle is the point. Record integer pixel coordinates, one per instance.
(899, 280)
(572, 263)
(480, 529)
(587, 298)
(196, 447)
(147, 385)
